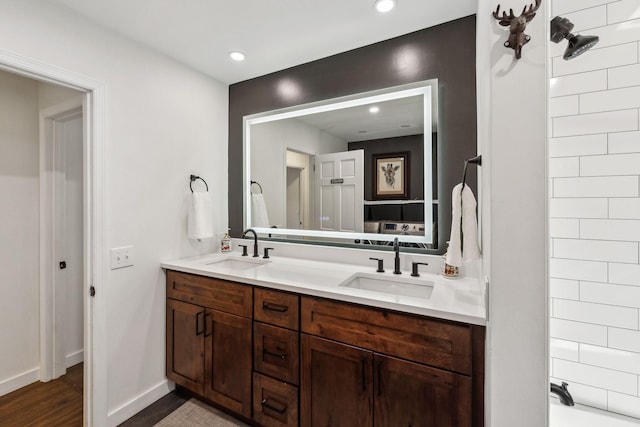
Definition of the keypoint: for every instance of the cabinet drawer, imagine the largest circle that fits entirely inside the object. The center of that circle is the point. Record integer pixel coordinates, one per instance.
(276, 352)
(275, 403)
(425, 340)
(222, 295)
(277, 308)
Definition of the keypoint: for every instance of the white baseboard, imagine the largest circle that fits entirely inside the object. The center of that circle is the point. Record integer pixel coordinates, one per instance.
(73, 359)
(19, 381)
(137, 404)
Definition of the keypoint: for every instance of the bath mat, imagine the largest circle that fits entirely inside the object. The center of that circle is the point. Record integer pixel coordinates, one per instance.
(194, 413)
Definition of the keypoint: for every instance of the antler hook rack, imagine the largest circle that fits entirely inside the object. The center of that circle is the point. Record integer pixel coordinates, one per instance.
(517, 24)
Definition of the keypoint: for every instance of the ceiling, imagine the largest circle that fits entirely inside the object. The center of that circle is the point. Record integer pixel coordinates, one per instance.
(274, 34)
(396, 117)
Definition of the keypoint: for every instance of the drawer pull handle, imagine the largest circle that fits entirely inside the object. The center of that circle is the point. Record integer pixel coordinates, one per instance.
(281, 410)
(198, 331)
(206, 334)
(279, 355)
(274, 307)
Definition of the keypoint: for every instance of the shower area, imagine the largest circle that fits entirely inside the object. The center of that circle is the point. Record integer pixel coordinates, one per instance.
(594, 224)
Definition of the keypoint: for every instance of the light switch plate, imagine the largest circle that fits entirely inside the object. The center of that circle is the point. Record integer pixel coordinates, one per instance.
(121, 257)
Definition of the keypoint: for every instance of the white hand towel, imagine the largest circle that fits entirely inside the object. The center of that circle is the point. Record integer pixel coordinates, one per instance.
(463, 211)
(259, 216)
(200, 216)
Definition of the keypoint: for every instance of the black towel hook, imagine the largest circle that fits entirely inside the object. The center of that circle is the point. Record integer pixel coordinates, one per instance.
(258, 184)
(477, 160)
(474, 160)
(193, 178)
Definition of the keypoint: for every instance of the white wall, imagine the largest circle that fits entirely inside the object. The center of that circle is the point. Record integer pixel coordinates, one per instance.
(164, 121)
(19, 223)
(512, 141)
(595, 208)
(269, 142)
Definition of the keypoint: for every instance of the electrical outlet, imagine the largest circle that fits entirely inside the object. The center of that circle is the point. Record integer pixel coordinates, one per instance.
(121, 257)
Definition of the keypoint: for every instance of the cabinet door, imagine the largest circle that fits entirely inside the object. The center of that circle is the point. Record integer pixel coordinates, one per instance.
(228, 361)
(336, 384)
(185, 345)
(412, 395)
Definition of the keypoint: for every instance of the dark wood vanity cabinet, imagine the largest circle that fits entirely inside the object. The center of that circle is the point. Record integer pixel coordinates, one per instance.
(285, 360)
(209, 333)
(364, 366)
(349, 386)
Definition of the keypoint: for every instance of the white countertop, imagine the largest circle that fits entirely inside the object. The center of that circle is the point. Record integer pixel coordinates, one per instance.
(461, 299)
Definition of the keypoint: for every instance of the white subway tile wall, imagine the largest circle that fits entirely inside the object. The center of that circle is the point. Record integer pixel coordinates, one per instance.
(594, 169)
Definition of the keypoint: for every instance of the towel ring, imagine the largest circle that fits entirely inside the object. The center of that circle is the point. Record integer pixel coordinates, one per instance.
(256, 183)
(195, 177)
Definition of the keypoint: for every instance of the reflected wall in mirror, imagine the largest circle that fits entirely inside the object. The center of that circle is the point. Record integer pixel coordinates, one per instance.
(313, 163)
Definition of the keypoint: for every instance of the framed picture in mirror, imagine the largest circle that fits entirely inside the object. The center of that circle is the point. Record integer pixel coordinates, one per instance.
(391, 172)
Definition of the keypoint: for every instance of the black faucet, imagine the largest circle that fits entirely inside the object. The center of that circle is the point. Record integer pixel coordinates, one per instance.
(396, 249)
(563, 393)
(255, 241)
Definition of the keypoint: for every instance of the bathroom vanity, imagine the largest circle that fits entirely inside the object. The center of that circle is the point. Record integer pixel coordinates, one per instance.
(288, 342)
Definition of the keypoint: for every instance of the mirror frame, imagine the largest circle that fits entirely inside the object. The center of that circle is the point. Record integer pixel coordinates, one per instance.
(421, 88)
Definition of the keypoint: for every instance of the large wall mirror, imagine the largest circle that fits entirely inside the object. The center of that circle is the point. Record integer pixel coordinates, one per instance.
(282, 123)
(358, 169)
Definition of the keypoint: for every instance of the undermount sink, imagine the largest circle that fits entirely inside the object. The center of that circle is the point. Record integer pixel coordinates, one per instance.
(238, 264)
(393, 285)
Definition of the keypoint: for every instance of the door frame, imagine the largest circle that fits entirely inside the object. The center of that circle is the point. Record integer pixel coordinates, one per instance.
(94, 253)
(305, 199)
(52, 363)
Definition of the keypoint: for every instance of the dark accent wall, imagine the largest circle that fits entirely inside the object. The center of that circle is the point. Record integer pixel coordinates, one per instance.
(446, 52)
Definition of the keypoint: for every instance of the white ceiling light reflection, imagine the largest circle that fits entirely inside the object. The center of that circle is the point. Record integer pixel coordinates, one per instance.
(374, 109)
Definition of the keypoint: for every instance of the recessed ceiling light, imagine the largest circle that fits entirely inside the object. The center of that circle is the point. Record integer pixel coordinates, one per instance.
(237, 56)
(374, 109)
(384, 6)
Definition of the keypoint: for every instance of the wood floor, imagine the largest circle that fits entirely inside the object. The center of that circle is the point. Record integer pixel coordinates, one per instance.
(58, 403)
(51, 404)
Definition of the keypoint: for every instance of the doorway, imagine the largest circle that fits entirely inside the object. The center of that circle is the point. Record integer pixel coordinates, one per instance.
(298, 190)
(294, 198)
(61, 237)
(93, 245)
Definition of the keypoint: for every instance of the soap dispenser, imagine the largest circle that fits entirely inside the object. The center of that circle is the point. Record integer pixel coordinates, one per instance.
(448, 271)
(225, 243)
